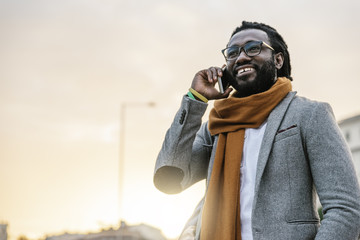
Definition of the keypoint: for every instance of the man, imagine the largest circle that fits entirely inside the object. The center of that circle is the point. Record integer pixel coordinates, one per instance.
(265, 151)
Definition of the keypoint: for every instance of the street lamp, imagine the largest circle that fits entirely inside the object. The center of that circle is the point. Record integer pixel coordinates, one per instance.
(123, 107)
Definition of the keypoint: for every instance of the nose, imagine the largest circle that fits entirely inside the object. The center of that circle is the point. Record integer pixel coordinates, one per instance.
(242, 57)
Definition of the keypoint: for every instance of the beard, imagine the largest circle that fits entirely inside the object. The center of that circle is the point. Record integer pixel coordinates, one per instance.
(263, 81)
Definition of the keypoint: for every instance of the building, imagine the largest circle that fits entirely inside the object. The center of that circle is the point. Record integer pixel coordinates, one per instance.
(350, 127)
(3, 231)
(124, 232)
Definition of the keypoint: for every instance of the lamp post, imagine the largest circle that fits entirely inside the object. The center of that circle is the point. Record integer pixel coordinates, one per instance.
(123, 107)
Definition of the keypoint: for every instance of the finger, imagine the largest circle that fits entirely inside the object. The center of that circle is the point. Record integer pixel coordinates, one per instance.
(214, 73)
(227, 92)
(209, 75)
(219, 95)
(219, 71)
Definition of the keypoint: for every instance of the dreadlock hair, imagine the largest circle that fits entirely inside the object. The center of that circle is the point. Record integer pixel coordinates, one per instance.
(276, 41)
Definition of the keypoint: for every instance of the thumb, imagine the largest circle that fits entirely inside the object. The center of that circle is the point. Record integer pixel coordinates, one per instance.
(225, 94)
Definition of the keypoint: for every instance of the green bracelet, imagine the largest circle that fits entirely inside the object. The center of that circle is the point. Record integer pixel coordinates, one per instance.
(191, 95)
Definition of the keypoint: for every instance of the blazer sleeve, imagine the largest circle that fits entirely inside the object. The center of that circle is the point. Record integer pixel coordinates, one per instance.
(185, 152)
(334, 176)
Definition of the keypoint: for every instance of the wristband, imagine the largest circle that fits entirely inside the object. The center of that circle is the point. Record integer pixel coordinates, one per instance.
(191, 96)
(198, 95)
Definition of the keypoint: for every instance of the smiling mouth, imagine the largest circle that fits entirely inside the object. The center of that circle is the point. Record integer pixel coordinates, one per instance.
(243, 70)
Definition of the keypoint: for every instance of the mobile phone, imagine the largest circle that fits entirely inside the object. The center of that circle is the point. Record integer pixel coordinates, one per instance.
(224, 80)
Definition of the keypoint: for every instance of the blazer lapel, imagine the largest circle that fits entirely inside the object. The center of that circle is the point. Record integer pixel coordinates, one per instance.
(273, 123)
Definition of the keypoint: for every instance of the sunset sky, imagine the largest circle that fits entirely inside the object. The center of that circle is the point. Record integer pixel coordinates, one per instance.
(67, 66)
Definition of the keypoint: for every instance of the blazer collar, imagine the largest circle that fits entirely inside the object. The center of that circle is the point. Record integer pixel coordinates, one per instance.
(273, 123)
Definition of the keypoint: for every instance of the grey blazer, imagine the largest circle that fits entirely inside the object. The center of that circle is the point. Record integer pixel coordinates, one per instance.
(302, 154)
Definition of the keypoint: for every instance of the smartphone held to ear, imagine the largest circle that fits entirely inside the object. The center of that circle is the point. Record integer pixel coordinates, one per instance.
(224, 80)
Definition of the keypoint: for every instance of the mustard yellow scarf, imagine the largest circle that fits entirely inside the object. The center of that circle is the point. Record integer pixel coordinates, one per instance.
(228, 119)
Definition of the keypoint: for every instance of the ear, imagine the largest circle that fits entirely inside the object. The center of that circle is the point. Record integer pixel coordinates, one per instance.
(279, 60)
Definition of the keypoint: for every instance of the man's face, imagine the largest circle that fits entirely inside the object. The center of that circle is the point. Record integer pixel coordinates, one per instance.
(251, 75)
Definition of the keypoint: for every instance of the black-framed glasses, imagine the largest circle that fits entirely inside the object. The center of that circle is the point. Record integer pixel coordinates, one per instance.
(251, 49)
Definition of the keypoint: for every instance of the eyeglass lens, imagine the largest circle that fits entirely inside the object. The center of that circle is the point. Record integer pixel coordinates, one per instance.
(251, 49)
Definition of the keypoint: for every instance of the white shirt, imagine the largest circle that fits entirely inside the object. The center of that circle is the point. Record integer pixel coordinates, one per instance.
(252, 144)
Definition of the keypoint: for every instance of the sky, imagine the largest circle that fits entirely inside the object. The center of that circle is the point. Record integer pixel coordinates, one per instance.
(67, 67)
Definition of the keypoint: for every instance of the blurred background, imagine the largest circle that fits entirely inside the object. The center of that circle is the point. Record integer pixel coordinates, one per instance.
(88, 89)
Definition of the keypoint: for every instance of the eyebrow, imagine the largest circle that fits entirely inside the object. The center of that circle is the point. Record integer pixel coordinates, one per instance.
(243, 44)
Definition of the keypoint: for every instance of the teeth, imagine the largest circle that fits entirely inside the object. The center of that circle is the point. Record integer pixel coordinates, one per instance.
(244, 70)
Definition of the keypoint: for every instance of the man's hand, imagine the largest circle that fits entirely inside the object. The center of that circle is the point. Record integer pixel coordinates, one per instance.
(204, 83)
(188, 233)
